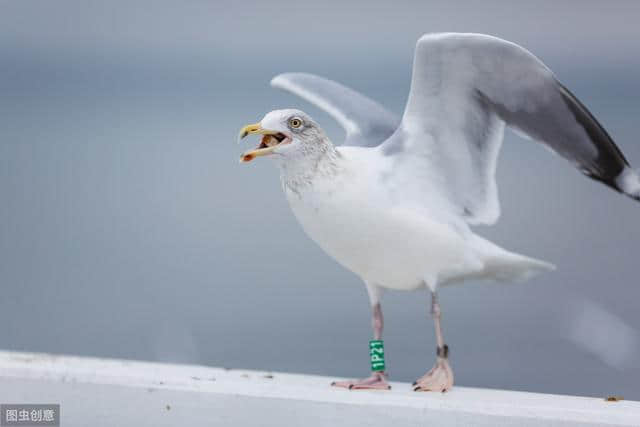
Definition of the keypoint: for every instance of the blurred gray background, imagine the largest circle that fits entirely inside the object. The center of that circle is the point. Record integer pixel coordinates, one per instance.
(128, 228)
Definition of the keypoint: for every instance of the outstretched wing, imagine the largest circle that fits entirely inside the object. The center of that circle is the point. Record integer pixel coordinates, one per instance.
(464, 88)
(366, 122)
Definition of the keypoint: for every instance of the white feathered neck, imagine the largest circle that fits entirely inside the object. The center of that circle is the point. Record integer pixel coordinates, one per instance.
(301, 167)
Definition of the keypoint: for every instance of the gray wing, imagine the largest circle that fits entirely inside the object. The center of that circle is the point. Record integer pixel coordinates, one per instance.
(366, 122)
(464, 89)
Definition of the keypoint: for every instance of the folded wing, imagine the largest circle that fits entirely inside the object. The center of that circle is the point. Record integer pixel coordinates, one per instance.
(366, 122)
(464, 89)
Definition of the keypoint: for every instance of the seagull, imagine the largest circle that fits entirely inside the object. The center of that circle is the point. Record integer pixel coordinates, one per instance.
(396, 202)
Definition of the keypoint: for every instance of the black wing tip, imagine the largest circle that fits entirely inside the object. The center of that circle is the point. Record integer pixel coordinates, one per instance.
(626, 183)
(609, 151)
(610, 166)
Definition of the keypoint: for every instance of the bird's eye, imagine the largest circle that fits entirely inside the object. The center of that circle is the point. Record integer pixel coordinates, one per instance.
(295, 122)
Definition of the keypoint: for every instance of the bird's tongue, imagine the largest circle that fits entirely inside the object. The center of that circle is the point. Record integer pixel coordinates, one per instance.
(268, 141)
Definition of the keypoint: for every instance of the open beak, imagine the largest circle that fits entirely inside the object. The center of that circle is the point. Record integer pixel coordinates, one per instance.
(269, 141)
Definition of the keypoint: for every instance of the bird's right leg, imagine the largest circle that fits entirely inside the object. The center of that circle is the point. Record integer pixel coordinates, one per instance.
(440, 377)
(378, 378)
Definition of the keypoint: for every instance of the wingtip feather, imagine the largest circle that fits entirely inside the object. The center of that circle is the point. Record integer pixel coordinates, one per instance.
(284, 80)
(278, 80)
(629, 183)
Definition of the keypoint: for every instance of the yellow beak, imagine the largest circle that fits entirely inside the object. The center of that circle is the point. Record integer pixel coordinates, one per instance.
(255, 128)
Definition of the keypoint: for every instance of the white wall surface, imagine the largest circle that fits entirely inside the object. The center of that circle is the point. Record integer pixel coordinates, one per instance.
(103, 392)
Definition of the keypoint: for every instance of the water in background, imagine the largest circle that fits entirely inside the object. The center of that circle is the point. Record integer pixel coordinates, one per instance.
(128, 228)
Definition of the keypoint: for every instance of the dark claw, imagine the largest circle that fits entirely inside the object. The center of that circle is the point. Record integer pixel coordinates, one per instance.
(333, 383)
(415, 383)
(416, 388)
(350, 386)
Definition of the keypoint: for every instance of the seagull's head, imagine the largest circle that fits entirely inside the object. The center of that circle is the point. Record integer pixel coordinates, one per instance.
(288, 134)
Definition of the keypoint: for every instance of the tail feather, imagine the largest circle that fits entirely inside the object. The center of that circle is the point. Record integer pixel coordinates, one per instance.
(516, 268)
(504, 266)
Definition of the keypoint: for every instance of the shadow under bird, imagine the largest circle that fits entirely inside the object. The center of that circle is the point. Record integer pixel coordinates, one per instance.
(395, 203)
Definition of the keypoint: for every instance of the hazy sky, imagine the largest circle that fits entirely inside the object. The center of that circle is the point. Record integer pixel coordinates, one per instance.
(128, 228)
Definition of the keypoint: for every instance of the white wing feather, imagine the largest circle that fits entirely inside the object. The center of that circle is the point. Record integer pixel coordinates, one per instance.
(366, 122)
(464, 88)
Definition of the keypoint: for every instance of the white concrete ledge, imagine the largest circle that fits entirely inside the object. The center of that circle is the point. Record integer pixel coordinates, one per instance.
(102, 392)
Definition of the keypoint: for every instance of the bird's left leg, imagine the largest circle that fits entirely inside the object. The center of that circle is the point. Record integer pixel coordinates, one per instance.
(378, 378)
(440, 377)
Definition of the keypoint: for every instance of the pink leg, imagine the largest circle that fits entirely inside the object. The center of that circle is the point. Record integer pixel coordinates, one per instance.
(440, 377)
(377, 380)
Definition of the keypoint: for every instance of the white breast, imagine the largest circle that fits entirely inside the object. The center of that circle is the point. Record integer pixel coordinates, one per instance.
(391, 246)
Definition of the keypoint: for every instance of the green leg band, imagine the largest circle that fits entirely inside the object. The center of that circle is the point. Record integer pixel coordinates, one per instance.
(376, 352)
